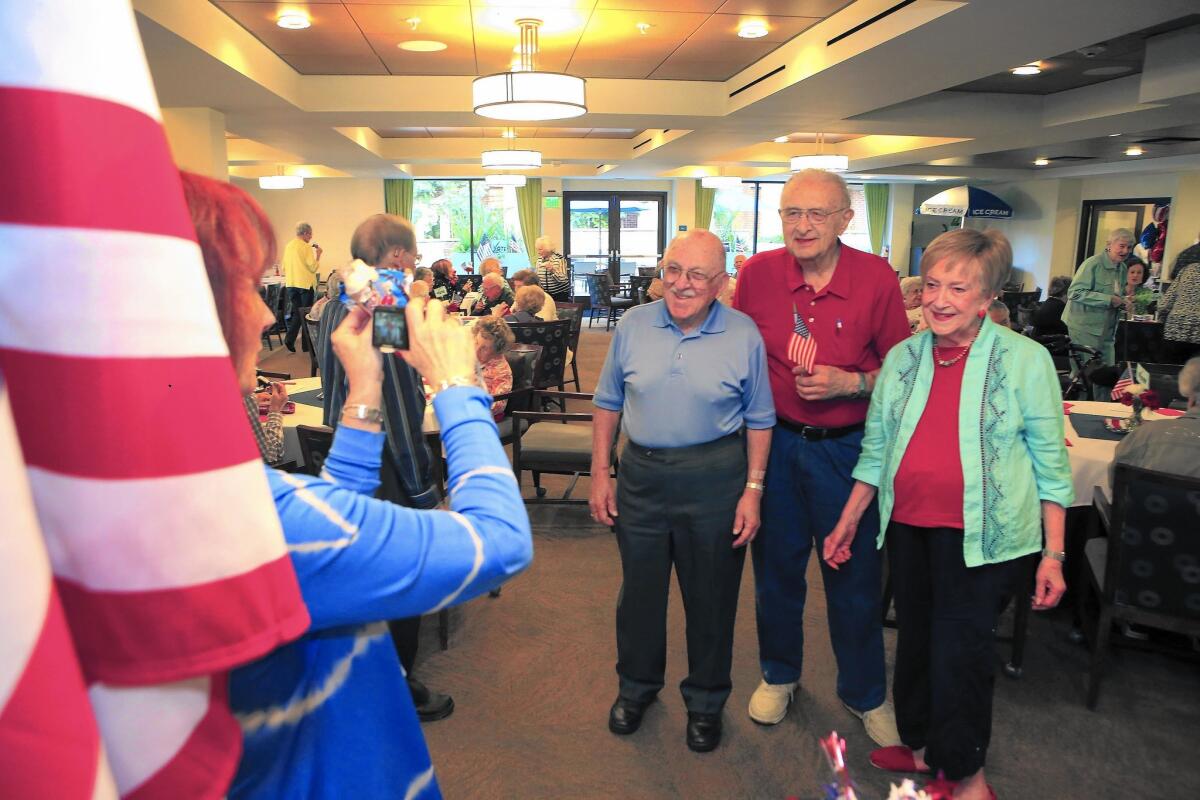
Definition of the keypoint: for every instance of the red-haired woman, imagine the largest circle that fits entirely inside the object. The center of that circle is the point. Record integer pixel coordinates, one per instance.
(330, 715)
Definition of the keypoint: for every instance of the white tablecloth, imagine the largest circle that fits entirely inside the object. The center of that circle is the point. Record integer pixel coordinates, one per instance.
(1090, 458)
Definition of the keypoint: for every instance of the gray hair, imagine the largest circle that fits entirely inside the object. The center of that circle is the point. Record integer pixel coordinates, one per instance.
(491, 279)
(495, 332)
(1189, 380)
(1121, 235)
(543, 241)
(303, 228)
(910, 283)
(821, 175)
(423, 274)
(529, 298)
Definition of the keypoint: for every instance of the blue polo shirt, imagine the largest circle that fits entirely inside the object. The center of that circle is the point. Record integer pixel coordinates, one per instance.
(679, 389)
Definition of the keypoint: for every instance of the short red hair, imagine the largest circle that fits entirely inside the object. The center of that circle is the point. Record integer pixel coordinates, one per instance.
(237, 242)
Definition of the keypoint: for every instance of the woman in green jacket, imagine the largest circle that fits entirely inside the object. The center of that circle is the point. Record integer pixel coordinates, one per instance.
(964, 448)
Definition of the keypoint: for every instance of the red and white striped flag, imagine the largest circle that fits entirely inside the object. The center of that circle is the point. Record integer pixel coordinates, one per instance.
(802, 347)
(154, 508)
(49, 743)
(1123, 383)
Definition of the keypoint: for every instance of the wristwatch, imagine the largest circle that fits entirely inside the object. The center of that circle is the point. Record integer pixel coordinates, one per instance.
(862, 385)
(1058, 555)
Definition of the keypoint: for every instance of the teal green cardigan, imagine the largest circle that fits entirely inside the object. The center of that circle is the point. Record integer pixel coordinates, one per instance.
(1010, 441)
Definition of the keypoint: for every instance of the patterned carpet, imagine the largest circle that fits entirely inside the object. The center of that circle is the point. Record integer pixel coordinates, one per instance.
(532, 677)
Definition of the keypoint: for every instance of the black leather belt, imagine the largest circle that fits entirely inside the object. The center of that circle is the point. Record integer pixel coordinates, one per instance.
(814, 434)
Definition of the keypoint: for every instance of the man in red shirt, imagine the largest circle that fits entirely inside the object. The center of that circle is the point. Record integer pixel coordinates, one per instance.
(817, 290)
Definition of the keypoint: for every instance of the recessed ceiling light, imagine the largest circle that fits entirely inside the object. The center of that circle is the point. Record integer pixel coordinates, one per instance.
(1113, 134)
(931, 179)
(1026, 70)
(1134, 151)
(1041, 162)
(422, 46)
(781, 139)
(752, 30)
(643, 27)
(293, 20)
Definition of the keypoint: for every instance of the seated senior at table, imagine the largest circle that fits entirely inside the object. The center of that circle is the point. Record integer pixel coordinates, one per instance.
(493, 338)
(1171, 445)
(528, 303)
(527, 277)
(330, 715)
(964, 447)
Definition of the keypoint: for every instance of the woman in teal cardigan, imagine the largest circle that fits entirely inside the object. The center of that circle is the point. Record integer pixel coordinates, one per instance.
(964, 448)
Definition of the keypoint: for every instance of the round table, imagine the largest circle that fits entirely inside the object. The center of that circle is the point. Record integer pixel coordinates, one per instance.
(1090, 458)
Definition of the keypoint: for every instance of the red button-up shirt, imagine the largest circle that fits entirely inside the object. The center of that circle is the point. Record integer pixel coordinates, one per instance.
(855, 319)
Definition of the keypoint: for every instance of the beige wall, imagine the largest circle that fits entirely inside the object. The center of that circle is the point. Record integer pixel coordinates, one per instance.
(196, 137)
(333, 206)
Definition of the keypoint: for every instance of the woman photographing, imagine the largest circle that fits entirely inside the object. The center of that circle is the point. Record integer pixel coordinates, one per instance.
(964, 449)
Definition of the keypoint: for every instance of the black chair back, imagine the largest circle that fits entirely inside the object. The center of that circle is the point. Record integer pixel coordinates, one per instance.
(308, 339)
(1021, 306)
(1153, 560)
(553, 338)
(522, 360)
(640, 285)
(597, 293)
(649, 272)
(573, 312)
(314, 446)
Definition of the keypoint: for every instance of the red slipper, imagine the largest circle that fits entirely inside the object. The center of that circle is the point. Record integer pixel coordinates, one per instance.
(896, 758)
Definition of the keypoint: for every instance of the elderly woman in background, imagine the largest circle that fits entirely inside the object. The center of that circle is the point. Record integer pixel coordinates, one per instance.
(493, 337)
(528, 303)
(910, 290)
(1047, 319)
(1000, 314)
(552, 270)
(527, 277)
(1180, 305)
(358, 559)
(964, 448)
(1096, 297)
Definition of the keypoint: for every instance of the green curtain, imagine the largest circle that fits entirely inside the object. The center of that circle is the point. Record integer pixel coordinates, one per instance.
(705, 199)
(877, 203)
(398, 196)
(529, 212)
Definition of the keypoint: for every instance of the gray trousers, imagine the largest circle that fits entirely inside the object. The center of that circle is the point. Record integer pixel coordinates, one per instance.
(676, 507)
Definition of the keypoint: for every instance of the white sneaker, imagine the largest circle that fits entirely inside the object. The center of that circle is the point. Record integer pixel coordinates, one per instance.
(769, 703)
(880, 724)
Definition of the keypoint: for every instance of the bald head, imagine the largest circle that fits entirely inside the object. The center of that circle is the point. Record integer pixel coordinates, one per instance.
(703, 248)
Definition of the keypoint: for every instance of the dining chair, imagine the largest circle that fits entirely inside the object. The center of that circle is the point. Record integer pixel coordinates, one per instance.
(522, 360)
(616, 303)
(309, 334)
(315, 441)
(553, 337)
(639, 285)
(272, 295)
(557, 449)
(1146, 569)
(573, 312)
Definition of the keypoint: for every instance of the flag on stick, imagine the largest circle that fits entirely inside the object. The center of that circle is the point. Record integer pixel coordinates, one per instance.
(802, 347)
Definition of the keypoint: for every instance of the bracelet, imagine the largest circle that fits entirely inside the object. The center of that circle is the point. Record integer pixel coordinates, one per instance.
(755, 485)
(363, 413)
(442, 386)
(1058, 555)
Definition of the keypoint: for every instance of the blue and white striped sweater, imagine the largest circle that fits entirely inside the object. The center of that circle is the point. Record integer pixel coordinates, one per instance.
(330, 715)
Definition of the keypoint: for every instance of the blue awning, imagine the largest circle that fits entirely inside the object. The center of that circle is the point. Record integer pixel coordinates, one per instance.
(966, 201)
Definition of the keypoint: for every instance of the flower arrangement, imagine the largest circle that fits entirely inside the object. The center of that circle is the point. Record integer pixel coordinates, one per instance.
(1139, 398)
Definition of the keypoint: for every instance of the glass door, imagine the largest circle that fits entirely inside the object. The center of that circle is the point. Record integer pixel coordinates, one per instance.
(617, 233)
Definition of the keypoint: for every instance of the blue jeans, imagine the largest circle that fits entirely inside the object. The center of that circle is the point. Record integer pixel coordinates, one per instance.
(808, 483)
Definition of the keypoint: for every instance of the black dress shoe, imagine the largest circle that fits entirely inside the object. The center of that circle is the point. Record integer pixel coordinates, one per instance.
(291, 346)
(625, 716)
(703, 731)
(431, 706)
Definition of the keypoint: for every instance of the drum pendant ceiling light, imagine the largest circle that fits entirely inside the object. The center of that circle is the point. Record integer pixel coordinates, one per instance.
(515, 181)
(830, 162)
(525, 94)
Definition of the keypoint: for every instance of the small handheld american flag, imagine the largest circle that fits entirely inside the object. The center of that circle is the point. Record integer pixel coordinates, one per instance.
(802, 347)
(1124, 382)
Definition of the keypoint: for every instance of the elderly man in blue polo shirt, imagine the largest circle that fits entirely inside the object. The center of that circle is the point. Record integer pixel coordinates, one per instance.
(690, 377)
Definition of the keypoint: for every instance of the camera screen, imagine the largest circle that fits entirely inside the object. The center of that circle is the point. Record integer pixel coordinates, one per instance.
(390, 328)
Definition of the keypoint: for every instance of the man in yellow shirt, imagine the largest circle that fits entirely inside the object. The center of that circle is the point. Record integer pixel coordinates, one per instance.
(301, 261)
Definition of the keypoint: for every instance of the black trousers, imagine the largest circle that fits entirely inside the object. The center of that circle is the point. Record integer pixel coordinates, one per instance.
(296, 300)
(945, 663)
(676, 507)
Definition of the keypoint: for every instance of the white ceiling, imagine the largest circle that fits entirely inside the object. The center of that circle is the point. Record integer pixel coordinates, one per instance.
(890, 93)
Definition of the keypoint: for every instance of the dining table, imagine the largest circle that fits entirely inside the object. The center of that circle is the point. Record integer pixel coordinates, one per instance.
(1091, 448)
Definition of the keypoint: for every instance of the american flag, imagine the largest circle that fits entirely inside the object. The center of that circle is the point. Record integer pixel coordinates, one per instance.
(802, 347)
(167, 555)
(1123, 383)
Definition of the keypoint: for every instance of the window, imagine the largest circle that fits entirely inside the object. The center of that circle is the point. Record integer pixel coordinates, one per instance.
(466, 222)
(747, 219)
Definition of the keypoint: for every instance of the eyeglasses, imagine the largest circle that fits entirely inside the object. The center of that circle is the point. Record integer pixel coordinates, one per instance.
(673, 274)
(817, 216)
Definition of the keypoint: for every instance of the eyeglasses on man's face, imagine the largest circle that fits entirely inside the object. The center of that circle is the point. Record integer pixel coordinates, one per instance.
(673, 273)
(817, 216)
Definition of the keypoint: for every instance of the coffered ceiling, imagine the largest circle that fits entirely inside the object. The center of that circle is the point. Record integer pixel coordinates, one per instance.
(908, 89)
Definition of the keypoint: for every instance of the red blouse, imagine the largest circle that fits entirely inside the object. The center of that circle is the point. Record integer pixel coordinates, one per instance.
(929, 483)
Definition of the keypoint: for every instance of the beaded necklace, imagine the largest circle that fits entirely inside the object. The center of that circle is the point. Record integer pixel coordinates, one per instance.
(951, 362)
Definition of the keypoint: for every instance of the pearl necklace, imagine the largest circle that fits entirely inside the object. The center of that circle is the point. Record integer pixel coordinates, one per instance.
(951, 362)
